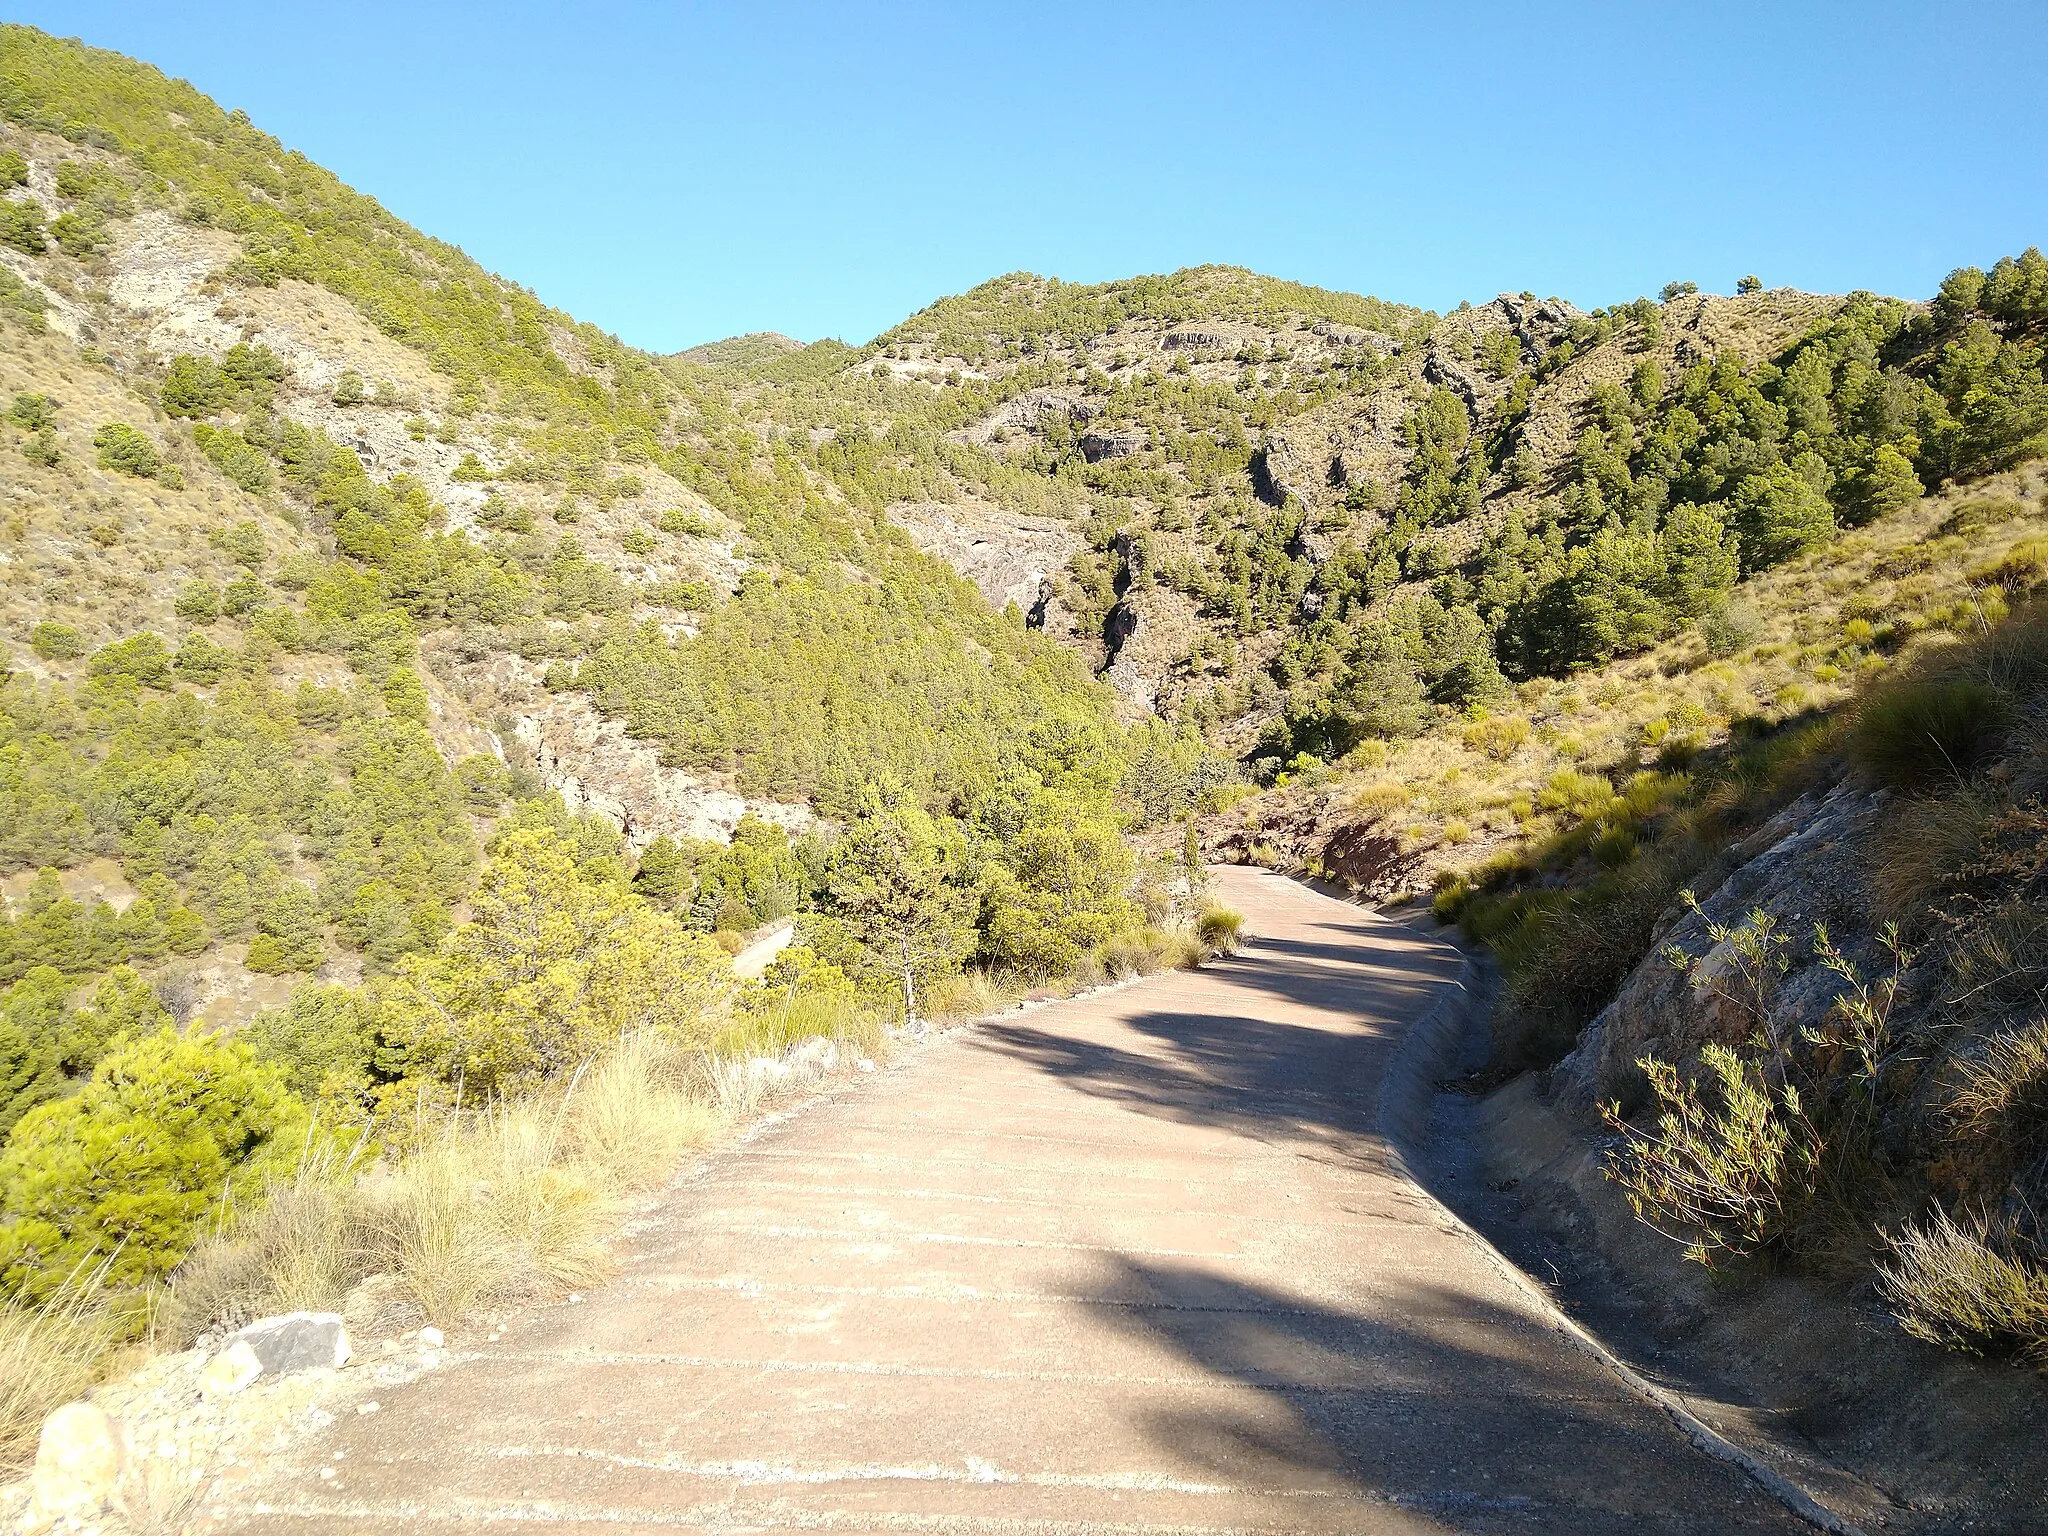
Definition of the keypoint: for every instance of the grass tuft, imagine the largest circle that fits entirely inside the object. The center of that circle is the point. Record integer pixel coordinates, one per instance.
(1950, 1284)
(49, 1354)
(1919, 736)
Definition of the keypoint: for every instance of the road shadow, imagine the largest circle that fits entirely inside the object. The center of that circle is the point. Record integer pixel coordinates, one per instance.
(1452, 1412)
(1250, 1058)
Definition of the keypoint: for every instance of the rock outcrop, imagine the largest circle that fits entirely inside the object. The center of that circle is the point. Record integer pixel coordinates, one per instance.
(1011, 556)
(1803, 867)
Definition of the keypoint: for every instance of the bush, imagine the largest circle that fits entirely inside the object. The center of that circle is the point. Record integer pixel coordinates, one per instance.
(1730, 626)
(1951, 1285)
(1218, 927)
(2003, 1093)
(21, 226)
(297, 1245)
(1728, 1181)
(198, 601)
(1916, 735)
(123, 448)
(1498, 736)
(56, 642)
(125, 1170)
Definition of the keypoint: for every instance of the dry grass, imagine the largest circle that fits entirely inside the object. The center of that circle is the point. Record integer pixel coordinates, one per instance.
(635, 1114)
(1950, 1284)
(1922, 847)
(510, 1203)
(48, 1356)
(2004, 1092)
(296, 1246)
(1219, 928)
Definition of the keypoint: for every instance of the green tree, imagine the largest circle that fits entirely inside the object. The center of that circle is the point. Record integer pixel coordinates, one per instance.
(1887, 484)
(552, 966)
(895, 888)
(21, 226)
(289, 932)
(192, 387)
(1058, 889)
(123, 448)
(1777, 514)
(124, 1171)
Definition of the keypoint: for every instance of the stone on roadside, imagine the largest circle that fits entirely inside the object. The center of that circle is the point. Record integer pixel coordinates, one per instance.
(432, 1337)
(298, 1341)
(234, 1368)
(79, 1461)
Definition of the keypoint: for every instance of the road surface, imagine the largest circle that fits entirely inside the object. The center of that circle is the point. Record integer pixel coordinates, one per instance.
(1137, 1262)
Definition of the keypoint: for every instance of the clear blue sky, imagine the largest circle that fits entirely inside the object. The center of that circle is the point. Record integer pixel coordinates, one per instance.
(680, 172)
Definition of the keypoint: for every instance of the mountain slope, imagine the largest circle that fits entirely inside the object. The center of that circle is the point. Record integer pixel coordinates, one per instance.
(328, 552)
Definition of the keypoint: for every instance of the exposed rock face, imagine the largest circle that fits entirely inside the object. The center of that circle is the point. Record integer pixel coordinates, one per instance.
(1099, 446)
(1027, 413)
(596, 766)
(1362, 853)
(1191, 340)
(1803, 867)
(1010, 556)
(1149, 630)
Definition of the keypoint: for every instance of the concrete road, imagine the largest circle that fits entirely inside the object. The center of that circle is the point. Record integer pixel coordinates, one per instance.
(1133, 1263)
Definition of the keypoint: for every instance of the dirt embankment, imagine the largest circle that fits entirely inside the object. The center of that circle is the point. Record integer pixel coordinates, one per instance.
(1893, 1434)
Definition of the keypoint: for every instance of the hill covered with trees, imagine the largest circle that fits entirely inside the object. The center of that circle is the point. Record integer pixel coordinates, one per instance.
(412, 690)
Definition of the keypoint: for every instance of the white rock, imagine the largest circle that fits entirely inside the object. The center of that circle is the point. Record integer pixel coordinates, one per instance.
(79, 1461)
(432, 1337)
(228, 1372)
(368, 1407)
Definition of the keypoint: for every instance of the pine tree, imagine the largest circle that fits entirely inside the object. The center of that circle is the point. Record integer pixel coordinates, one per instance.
(894, 890)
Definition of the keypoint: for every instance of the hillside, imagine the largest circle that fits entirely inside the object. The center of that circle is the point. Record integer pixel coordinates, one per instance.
(414, 695)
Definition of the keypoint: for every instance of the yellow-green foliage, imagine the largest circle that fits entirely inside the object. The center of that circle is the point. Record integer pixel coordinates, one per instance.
(123, 1172)
(1949, 1283)
(553, 967)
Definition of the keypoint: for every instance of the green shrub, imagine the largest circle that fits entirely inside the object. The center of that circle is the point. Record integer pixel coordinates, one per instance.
(123, 448)
(234, 456)
(55, 642)
(32, 413)
(192, 387)
(13, 171)
(198, 601)
(1917, 735)
(124, 1171)
(1726, 1179)
(1219, 927)
(21, 226)
(142, 659)
(1729, 626)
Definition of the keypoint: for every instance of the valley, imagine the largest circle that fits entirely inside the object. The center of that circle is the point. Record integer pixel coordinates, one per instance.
(415, 700)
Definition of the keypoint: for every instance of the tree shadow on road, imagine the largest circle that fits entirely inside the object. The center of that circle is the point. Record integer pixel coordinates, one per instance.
(1453, 1412)
(1233, 1057)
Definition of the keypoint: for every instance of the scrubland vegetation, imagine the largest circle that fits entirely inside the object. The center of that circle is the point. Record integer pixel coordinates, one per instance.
(1588, 609)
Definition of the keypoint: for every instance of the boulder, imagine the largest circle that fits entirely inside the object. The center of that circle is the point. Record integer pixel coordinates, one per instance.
(79, 1462)
(1805, 866)
(1098, 446)
(228, 1372)
(298, 1341)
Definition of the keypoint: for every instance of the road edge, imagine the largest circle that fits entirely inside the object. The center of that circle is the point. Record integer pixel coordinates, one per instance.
(1427, 1052)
